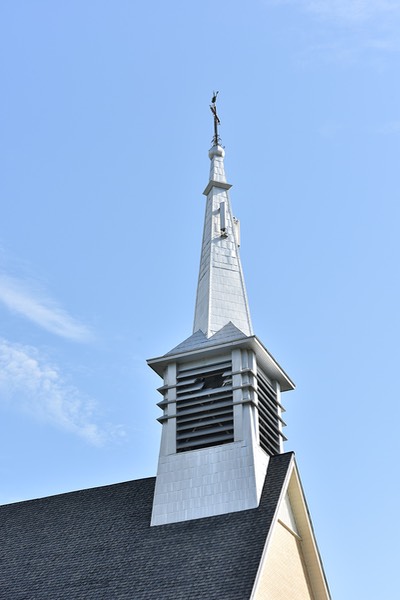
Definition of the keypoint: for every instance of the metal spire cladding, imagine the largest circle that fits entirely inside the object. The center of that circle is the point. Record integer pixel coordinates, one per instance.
(221, 293)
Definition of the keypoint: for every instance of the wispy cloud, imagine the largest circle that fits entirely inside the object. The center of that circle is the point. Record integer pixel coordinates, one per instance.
(33, 385)
(32, 303)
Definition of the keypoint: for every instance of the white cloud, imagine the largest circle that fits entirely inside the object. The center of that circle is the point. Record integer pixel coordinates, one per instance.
(31, 303)
(31, 384)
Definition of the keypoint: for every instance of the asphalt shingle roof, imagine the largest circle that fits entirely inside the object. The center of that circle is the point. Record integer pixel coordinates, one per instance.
(97, 544)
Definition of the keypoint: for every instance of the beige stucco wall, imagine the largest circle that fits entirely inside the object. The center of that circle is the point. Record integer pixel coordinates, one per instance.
(283, 576)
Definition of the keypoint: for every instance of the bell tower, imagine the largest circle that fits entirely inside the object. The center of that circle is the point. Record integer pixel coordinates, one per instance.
(221, 392)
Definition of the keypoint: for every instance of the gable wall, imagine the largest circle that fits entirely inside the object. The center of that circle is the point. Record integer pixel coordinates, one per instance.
(283, 575)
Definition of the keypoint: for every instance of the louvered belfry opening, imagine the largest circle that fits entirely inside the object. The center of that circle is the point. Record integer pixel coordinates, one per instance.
(204, 405)
(269, 416)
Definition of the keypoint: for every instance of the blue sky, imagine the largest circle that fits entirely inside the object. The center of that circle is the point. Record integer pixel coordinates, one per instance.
(105, 129)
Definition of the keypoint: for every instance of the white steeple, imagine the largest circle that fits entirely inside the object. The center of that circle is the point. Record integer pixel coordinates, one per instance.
(222, 411)
(221, 294)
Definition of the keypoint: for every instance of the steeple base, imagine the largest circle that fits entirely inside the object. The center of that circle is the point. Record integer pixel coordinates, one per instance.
(207, 482)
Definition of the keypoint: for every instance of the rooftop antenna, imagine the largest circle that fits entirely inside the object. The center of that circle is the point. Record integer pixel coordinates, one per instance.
(216, 141)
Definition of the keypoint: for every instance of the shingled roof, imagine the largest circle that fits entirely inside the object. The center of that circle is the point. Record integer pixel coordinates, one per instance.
(98, 544)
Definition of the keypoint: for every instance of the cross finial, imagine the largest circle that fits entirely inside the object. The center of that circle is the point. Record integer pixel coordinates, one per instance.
(213, 106)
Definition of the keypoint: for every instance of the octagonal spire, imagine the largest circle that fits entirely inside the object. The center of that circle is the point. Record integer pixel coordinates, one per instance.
(221, 294)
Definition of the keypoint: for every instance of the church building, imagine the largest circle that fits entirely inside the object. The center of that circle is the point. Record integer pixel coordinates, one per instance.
(225, 518)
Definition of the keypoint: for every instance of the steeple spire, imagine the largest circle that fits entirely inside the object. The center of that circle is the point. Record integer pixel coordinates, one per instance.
(221, 294)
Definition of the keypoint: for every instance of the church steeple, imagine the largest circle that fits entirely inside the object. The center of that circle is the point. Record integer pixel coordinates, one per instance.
(221, 294)
(222, 411)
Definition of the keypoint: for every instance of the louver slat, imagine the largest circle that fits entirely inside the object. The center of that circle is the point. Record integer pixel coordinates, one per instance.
(204, 409)
(205, 422)
(191, 417)
(204, 394)
(204, 406)
(206, 442)
(270, 421)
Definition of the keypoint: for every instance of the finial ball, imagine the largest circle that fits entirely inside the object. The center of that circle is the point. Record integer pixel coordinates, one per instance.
(216, 151)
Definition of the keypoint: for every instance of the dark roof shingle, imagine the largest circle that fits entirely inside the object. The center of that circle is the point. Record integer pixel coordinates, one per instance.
(97, 544)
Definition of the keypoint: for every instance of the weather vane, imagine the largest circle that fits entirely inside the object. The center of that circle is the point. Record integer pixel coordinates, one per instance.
(213, 106)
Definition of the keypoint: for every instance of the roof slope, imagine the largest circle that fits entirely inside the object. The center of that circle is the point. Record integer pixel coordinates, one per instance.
(98, 544)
